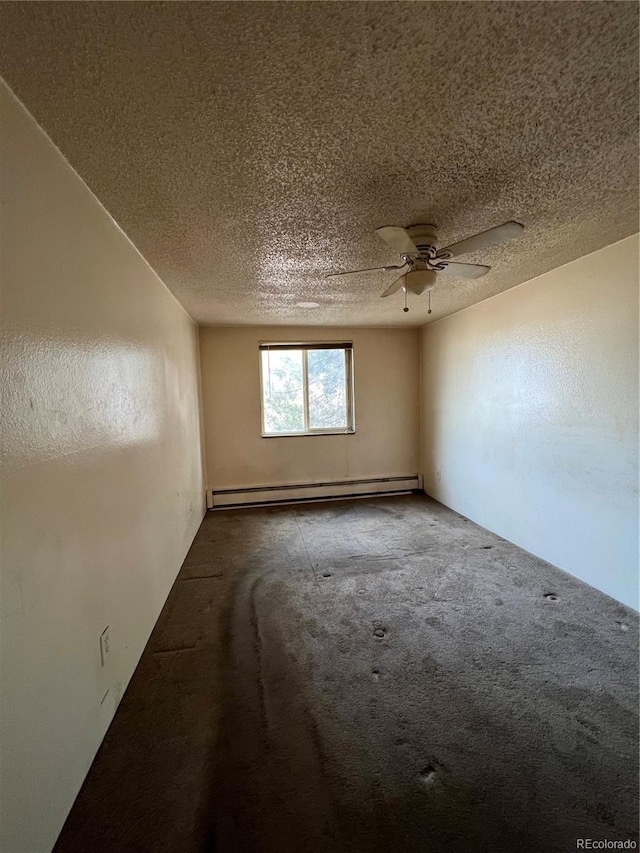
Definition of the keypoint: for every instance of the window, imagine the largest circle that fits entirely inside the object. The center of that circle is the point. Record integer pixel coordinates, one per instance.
(307, 389)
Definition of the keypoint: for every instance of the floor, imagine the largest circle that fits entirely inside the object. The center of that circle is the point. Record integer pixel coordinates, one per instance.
(373, 675)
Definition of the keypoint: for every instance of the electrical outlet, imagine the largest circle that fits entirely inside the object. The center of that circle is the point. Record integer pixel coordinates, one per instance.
(438, 475)
(105, 645)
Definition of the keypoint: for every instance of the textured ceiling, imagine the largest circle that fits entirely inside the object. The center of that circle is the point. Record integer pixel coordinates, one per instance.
(247, 147)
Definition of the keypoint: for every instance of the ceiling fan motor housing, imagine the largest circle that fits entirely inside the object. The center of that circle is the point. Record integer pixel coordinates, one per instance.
(420, 277)
(425, 239)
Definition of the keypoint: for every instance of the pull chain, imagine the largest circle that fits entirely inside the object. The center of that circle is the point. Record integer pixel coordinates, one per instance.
(429, 311)
(405, 309)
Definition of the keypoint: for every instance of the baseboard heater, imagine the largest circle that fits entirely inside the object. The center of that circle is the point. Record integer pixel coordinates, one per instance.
(222, 498)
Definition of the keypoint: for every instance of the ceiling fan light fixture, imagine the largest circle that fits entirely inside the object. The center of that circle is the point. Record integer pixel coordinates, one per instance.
(420, 281)
(422, 259)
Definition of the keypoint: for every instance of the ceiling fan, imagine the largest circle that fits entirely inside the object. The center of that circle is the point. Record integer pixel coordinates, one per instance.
(422, 260)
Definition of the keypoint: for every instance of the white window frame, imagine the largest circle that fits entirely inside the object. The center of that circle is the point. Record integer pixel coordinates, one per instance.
(347, 347)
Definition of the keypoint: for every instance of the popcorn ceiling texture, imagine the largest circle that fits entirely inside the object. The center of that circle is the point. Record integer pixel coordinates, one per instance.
(246, 148)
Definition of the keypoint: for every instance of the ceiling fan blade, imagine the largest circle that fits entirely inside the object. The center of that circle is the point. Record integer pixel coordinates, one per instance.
(399, 240)
(499, 234)
(458, 270)
(394, 287)
(370, 269)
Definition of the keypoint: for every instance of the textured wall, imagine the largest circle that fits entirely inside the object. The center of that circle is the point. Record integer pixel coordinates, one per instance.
(386, 400)
(102, 474)
(530, 416)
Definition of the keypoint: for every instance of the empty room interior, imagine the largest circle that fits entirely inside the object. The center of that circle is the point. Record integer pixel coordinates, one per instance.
(320, 427)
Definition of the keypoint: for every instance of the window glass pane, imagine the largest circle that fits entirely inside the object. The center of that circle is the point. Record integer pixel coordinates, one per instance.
(282, 391)
(327, 389)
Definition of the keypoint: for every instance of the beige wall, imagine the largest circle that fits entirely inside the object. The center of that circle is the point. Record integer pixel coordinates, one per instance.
(530, 416)
(102, 487)
(386, 400)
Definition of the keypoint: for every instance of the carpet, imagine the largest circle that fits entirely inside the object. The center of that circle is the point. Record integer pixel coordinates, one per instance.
(371, 675)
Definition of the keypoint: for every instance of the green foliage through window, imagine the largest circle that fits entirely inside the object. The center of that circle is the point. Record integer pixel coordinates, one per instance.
(306, 390)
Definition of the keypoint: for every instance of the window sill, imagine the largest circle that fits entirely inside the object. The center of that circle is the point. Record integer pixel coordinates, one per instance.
(306, 434)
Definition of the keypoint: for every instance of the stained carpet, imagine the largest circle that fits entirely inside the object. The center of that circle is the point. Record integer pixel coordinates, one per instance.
(369, 676)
